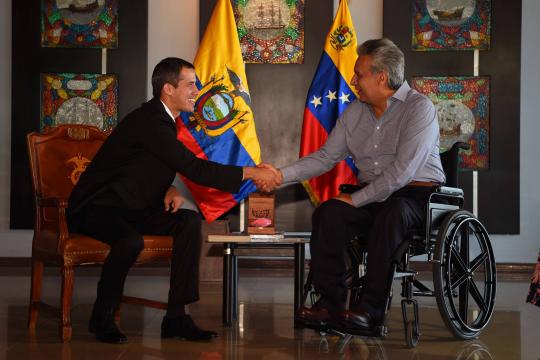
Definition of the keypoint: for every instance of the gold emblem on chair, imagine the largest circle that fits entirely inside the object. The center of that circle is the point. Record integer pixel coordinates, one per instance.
(79, 164)
(77, 133)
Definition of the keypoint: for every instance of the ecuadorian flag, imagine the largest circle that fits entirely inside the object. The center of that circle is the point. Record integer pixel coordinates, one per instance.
(329, 95)
(222, 128)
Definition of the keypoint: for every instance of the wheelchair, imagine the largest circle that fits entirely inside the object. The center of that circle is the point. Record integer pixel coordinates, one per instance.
(458, 247)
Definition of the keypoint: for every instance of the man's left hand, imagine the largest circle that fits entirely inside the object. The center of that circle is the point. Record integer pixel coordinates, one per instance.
(345, 198)
(173, 200)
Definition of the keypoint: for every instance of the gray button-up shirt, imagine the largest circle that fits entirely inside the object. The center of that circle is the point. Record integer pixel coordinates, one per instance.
(399, 147)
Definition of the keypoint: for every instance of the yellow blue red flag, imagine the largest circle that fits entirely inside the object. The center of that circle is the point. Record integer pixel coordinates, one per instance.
(329, 95)
(221, 128)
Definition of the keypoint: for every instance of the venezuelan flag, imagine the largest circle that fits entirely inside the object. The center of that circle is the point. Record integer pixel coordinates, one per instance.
(222, 128)
(329, 95)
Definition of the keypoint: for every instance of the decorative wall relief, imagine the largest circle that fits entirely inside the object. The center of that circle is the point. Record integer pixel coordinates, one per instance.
(451, 25)
(270, 31)
(463, 109)
(89, 99)
(79, 23)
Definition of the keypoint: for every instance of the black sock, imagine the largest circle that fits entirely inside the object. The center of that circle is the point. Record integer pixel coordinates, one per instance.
(175, 312)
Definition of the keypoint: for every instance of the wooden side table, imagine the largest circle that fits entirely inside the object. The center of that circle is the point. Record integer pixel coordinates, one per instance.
(231, 243)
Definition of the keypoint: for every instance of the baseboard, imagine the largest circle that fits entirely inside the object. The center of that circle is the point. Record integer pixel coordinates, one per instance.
(520, 268)
(22, 265)
(15, 262)
(26, 262)
(506, 271)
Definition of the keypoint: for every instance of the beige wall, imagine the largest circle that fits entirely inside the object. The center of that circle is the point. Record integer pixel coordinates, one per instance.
(12, 242)
(367, 18)
(173, 30)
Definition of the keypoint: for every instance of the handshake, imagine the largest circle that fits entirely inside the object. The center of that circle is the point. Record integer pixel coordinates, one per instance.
(265, 176)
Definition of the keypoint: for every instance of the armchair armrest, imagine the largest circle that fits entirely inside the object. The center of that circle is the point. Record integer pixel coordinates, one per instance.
(58, 224)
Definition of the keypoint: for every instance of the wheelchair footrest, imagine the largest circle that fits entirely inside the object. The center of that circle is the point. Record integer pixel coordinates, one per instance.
(336, 329)
(377, 331)
(423, 290)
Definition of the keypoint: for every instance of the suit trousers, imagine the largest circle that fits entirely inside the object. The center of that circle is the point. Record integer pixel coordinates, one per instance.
(122, 229)
(385, 225)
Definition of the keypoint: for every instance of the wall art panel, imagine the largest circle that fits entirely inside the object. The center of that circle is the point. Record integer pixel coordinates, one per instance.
(463, 109)
(451, 25)
(79, 23)
(271, 31)
(90, 99)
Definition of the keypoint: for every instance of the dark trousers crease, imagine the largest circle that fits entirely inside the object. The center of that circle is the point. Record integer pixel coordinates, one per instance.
(123, 230)
(385, 224)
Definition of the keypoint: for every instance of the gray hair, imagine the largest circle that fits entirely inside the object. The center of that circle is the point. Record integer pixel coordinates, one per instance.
(386, 56)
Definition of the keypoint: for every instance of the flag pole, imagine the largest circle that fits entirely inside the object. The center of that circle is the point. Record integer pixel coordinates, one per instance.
(475, 172)
(242, 225)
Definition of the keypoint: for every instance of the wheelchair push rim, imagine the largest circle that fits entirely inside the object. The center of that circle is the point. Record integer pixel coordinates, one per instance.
(465, 299)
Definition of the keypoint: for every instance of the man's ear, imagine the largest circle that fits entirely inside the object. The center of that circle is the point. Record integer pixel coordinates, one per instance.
(167, 89)
(382, 78)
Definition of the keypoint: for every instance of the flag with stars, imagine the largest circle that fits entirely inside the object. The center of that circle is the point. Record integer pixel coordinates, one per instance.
(329, 95)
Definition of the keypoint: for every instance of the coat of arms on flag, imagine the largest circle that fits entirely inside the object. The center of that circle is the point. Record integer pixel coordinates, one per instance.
(223, 103)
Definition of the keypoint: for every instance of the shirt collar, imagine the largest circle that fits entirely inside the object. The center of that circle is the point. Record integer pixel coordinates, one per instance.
(168, 111)
(401, 93)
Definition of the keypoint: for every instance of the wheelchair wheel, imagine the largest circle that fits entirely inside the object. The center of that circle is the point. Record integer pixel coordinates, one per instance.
(464, 274)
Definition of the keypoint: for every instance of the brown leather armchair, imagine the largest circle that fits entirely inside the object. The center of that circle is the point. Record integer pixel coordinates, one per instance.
(57, 158)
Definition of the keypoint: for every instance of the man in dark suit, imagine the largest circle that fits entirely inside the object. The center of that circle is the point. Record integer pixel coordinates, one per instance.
(125, 192)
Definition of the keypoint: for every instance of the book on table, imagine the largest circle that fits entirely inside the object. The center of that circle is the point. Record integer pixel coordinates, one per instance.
(243, 237)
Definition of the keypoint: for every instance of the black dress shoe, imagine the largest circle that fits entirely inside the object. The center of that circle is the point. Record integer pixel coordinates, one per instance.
(103, 326)
(183, 327)
(314, 317)
(357, 323)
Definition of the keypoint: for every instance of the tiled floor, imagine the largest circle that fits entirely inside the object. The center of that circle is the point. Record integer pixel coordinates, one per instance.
(264, 330)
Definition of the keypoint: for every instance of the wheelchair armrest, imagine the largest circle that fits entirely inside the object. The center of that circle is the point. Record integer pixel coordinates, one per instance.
(447, 190)
(350, 188)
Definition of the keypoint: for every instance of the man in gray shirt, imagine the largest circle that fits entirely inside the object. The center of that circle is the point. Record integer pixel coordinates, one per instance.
(392, 134)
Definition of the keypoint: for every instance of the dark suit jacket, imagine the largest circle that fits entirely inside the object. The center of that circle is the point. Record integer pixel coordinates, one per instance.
(138, 162)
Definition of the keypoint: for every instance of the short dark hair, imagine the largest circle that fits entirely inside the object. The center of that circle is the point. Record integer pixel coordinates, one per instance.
(167, 71)
(386, 56)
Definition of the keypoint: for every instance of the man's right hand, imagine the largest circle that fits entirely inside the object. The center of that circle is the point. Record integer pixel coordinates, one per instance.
(265, 176)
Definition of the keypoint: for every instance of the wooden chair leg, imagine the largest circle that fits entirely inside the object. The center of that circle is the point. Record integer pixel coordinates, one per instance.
(35, 292)
(65, 306)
